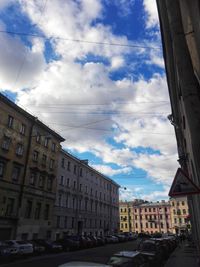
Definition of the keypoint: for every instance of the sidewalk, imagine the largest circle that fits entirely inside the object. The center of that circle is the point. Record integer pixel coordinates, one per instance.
(185, 255)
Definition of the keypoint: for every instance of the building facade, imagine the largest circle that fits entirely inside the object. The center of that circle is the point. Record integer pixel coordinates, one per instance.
(180, 215)
(28, 168)
(86, 202)
(180, 30)
(152, 217)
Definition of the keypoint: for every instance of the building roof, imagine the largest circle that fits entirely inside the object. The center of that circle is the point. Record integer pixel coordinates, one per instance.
(29, 116)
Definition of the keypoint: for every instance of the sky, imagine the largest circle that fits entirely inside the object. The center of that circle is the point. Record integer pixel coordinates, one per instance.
(93, 71)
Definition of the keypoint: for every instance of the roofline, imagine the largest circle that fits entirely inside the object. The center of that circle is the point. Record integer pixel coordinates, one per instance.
(7, 101)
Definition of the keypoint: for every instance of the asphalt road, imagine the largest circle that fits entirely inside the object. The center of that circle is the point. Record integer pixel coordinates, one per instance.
(98, 254)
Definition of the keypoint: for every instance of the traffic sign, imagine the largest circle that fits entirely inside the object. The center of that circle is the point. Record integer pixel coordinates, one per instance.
(183, 185)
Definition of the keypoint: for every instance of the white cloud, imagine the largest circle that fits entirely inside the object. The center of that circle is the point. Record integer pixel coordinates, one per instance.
(108, 171)
(150, 8)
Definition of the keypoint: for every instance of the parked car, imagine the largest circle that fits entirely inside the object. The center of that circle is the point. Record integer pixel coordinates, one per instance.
(82, 241)
(128, 259)
(7, 251)
(101, 240)
(37, 249)
(164, 246)
(22, 247)
(111, 239)
(151, 250)
(50, 246)
(83, 264)
(69, 243)
(94, 240)
(121, 237)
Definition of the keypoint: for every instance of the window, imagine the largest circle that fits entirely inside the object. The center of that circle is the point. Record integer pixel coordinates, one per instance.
(177, 203)
(68, 165)
(68, 182)
(149, 209)
(74, 169)
(135, 217)
(10, 206)
(19, 149)
(32, 180)
(44, 159)
(72, 222)
(46, 212)
(37, 211)
(184, 211)
(46, 141)
(15, 174)
(63, 163)
(49, 183)
(183, 203)
(86, 189)
(146, 225)
(61, 180)
(178, 212)
(126, 225)
(174, 212)
(91, 193)
(73, 203)
(6, 143)
(53, 147)
(41, 181)
(22, 129)
(175, 221)
(66, 219)
(136, 225)
(60, 200)
(172, 203)
(51, 164)
(24, 236)
(86, 203)
(28, 209)
(180, 220)
(58, 221)
(80, 187)
(74, 185)
(145, 210)
(81, 172)
(161, 225)
(154, 209)
(35, 155)
(38, 137)
(10, 121)
(165, 209)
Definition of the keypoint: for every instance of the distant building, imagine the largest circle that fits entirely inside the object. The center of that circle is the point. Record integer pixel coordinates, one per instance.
(87, 202)
(179, 215)
(29, 153)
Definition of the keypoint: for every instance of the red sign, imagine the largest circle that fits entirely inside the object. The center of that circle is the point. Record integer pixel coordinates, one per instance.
(183, 185)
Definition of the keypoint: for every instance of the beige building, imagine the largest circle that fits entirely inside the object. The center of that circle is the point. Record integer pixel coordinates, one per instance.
(179, 215)
(180, 30)
(28, 167)
(87, 202)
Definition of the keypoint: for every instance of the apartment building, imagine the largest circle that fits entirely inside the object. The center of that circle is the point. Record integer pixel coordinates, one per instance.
(86, 200)
(180, 31)
(28, 167)
(179, 215)
(149, 217)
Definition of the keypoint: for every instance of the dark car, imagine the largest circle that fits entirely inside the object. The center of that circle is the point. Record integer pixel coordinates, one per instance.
(69, 243)
(82, 241)
(37, 249)
(151, 250)
(94, 240)
(50, 246)
(164, 246)
(128, 259)
(101, 240)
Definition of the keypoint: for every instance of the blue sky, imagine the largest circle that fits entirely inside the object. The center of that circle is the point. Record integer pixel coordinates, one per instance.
(106, 93)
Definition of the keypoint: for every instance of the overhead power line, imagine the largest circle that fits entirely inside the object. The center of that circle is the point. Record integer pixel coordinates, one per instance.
(79, 40)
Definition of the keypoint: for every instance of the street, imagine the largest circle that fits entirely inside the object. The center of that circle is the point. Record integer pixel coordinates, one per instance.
(97, 254)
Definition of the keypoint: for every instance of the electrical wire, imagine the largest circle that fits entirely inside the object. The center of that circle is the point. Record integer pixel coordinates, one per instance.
(78, 40)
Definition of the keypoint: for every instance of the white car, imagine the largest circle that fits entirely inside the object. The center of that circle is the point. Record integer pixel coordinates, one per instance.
(22, 247)
(83, 264)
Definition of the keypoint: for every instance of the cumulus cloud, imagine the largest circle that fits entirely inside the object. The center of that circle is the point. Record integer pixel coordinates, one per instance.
(78, 97)
(107, 170)
(150, 8)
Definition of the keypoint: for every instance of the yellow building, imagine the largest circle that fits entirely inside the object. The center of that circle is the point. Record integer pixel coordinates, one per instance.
(126, 216)
(179, 214)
